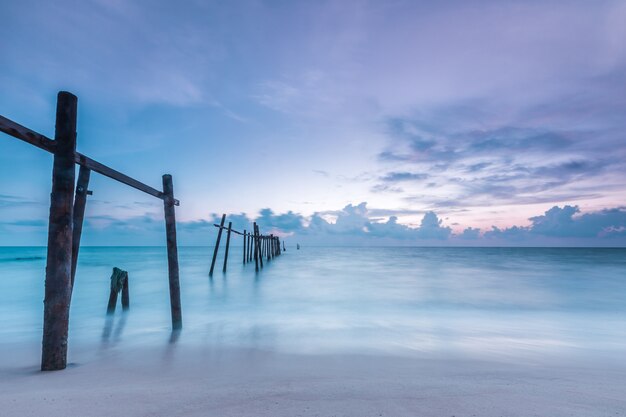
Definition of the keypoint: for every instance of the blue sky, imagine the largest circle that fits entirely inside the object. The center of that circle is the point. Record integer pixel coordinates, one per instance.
(362, 122)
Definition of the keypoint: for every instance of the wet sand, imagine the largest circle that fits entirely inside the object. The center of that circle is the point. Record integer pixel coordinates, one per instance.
(184, 381)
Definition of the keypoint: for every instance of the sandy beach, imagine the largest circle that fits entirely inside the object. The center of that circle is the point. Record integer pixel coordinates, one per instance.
(182, 381)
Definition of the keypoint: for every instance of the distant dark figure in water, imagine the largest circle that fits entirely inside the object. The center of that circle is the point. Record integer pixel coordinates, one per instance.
(298, 246)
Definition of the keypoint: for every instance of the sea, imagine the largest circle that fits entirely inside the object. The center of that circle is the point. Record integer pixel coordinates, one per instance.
(502, 303)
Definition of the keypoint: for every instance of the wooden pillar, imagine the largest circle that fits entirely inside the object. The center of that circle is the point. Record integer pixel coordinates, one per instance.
(80, 201)
(256, 248)
(125, 295)
(284, 248)
(217, 244)
(58, 290)
(268, 252)
(172, 252)
(112, 302)
(250, 246)
(230, 225)
(244, 247)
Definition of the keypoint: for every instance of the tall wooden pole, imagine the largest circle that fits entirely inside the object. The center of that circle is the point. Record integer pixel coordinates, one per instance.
(250, 246)
(217, 244)
(80, 201)
(172, 252)
(230, 225)
(58, 289)
(244, 246)
(256, 247)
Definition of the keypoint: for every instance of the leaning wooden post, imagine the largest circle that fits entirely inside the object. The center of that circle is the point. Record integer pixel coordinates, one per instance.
(80, 201)
(256, 251)
(58, 290)
(244, 247)
(267, 245)
(230, 225)
(217, 244)
(172, 252)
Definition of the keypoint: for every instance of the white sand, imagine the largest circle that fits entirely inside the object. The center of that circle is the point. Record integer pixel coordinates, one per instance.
(184, 381)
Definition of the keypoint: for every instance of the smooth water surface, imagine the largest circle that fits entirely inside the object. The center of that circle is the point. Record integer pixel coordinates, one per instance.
(504, 302)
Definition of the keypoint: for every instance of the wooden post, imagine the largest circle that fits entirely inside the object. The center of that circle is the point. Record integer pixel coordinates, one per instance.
(244, 247)
(267, 248)
(217, 244)
(80, 201)
(284, 249)
(260, 246)
(172, 252)
(58, 289)
(125, 295)
(118, 277)
(250, 246)
(112, 302)
(256, 247)
(230, 225)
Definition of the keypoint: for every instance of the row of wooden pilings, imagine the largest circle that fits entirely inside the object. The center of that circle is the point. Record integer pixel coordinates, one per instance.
(256, 246)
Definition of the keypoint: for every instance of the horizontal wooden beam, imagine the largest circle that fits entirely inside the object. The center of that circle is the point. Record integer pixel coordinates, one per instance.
(237, 232)
(96, 166)
(23, 133)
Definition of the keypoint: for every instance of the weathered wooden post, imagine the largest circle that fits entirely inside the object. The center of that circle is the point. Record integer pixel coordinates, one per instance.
(230, 225)
(250, 246)
(125, 295)
(268, 247)
(217, 244)
(172, 252)
(119, 283)
(284, 248)
(80, 201)
(256, 248)
(58, 289)
(244, 247)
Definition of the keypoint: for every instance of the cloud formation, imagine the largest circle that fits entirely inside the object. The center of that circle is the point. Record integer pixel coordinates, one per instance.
(356, 225)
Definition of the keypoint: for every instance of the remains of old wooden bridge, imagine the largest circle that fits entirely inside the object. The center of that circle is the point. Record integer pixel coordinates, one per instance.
(67, 210)
(255, 245)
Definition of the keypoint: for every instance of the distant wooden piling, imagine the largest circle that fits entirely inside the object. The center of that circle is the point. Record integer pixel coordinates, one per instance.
(172, 252)
(244, 247)
(80, 201)
(60, 230)
(250, 246)
(217, 244)
(230, 226)
(256, 247)
(284, 248)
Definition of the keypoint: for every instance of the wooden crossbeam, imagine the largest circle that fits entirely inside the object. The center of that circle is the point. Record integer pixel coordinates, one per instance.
(18, 131)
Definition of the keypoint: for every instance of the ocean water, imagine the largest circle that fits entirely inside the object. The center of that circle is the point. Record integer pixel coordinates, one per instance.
(491, 302)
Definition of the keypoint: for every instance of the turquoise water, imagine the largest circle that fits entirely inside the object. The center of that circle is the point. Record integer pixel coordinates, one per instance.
(498, 302)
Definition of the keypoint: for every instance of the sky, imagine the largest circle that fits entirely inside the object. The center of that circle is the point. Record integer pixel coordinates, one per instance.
(329, 122)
